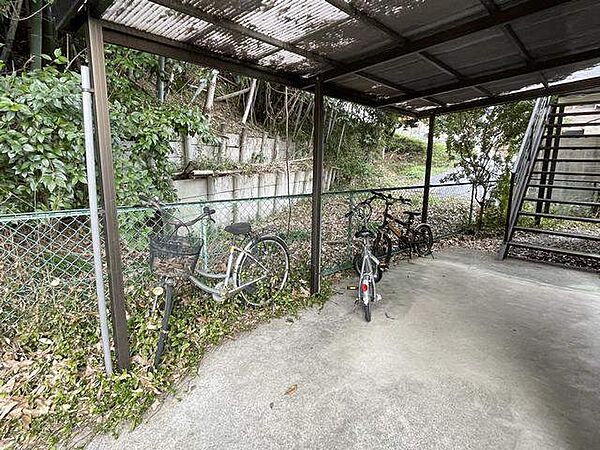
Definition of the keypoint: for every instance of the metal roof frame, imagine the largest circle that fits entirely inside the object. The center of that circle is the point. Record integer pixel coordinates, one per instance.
(496, 15)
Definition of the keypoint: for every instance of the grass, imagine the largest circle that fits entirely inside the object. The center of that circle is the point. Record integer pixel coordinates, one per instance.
(400, 168)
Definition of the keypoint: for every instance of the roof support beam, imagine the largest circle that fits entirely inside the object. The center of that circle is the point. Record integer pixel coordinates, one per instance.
(570, 87)
(451, 71)
(508, 31)
(355, 12)
(146, 42)
(499, 76)
(317, 189)
(114, 263)
(503, 16)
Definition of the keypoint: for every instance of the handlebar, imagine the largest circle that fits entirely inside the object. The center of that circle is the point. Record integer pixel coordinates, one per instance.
(389, 199)
(158, 205)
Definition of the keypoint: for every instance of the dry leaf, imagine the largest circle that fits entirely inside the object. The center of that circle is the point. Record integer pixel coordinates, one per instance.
(6, 406)
(55, 282)
(292, 389)
(157, 291)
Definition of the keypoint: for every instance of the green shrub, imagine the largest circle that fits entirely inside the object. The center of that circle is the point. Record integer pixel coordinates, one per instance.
(403, 144)
(42, 155)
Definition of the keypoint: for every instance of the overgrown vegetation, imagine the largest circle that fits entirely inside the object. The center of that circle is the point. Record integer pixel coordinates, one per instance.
(41, 140)
(52, 383)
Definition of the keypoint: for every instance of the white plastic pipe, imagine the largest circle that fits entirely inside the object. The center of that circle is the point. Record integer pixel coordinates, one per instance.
(90, 159)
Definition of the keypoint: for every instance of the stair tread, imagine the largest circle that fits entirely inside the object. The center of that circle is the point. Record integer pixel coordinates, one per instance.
(560, 217)
(553, 249)
(558, 233)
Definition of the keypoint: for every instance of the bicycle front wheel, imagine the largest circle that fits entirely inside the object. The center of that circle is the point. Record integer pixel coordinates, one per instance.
(423, 239)
(263, 270)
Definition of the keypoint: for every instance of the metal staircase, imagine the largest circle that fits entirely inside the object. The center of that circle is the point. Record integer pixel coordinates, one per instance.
(555, 185)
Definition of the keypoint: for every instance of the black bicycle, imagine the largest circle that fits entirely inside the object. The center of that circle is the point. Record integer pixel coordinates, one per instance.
(410, 238)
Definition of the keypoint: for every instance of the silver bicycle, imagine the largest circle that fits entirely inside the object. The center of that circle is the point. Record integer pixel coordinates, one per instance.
(257, 265)
(370, 269)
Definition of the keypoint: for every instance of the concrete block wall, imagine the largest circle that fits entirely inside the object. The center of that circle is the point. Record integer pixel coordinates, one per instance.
(242, 147)
(248, 186)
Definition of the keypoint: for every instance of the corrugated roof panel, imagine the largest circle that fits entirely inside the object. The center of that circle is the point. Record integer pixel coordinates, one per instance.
(574, 72)
(347, 40)
(570, 28)
(317, 26)
(524, 82)
(283, 59)
(146, 16)
(479, 54)
(286, 20)
(462, 95)
(417, 105)
(415, 17)
(411, 71)
(364, 85)
(223, 41)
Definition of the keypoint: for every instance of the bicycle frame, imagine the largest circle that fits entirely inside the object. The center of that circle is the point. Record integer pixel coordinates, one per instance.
(368, 262)
(387, 218)
(229, 278)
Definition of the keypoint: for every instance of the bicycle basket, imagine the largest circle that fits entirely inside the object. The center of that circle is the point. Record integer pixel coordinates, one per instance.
(174, 256)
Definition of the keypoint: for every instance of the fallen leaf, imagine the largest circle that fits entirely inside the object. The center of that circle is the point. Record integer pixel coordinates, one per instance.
(6, 406)
(55, 282)
(292, 389)
(157, 291)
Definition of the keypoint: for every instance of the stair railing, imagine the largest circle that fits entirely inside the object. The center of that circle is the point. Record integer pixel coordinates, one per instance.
(524, 164)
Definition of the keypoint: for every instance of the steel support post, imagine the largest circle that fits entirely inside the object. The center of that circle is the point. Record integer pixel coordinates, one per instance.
(555, 151)
(317, 187)
(95, 42)
(427, 181)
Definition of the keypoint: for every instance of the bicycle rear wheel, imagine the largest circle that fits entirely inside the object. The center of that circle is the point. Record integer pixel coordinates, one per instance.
(382, 247)
(367, 295)
(357, 264)
(263, 270)
(423, 239)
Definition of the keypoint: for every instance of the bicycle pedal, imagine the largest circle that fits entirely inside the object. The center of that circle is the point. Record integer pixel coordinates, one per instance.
(352, 288)
(384, 266)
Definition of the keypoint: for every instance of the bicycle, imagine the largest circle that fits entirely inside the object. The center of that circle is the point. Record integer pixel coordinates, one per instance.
(370, 271)
(410, 239)
(258, 269)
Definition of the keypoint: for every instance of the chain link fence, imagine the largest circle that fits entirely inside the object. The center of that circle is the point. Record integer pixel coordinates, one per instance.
(46, 257)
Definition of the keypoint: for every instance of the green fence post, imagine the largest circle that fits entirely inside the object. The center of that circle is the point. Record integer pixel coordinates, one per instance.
(349, 226)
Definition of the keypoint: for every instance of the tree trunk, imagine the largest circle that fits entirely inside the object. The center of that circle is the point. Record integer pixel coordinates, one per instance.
(160, 79)
(49, 31)
(210, 95)
(249, 102)
(12, 31)
(35, 34)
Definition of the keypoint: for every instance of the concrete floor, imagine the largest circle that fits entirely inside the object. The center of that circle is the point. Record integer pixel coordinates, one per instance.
(464, 352)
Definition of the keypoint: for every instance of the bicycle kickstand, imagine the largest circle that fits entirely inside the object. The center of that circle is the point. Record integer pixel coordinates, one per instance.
(160, 348)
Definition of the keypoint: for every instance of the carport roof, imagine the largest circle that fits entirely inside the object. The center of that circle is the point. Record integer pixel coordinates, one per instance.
(416, 57)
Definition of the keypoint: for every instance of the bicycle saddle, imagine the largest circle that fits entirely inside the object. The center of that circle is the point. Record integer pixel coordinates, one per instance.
(239, 228)
(364, 233)
(412, 214)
